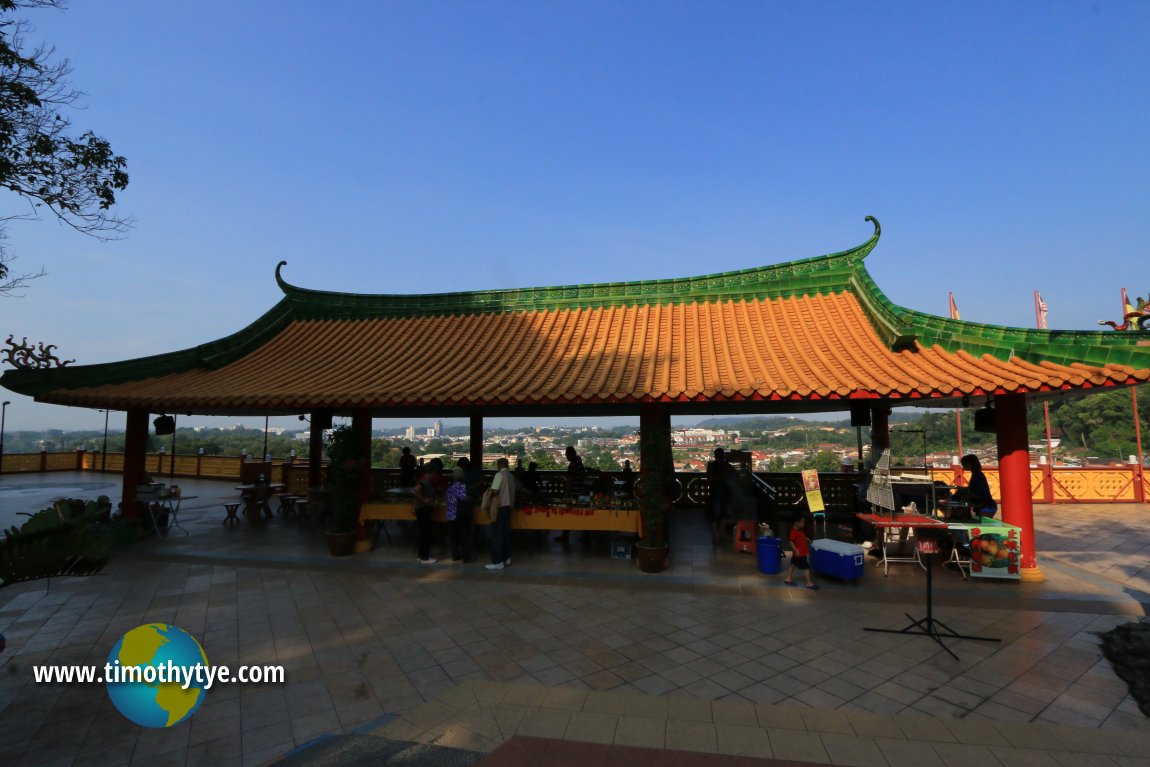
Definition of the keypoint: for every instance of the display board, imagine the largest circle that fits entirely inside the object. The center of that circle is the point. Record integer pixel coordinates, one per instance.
(994, 549)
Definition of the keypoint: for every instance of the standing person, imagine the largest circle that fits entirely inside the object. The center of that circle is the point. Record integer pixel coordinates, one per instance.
(718, 475)
(576, 474)
(628, 478)
(407, 468)
(503, 488)
(800, 550)
(459, 516)
(426, 494)
(977, 488)
(530, 484)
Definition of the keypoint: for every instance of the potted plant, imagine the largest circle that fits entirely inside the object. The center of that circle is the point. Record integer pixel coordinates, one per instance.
(657, 474)
(346, 467)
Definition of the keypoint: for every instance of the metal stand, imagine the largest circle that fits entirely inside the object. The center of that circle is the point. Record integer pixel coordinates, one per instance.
(928, 626)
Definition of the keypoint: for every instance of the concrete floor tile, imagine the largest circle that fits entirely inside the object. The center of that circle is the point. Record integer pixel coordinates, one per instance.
(780, 717)
(910, 752)
(642, 732)
(734, 713)
(564, 698)
(458, 736)
(1031, 736)
(1084, 760)
(1024, 757)
(644, 706)
(797, 745)
(544, 724)
(521, 695)
(975, 732)
(873, 725)
(966, 755)
(598, 702)
(592, 728)
(853, 750)
(689, 709)
(742, 740)
(224, 751)
(699, 737)
(924, 728)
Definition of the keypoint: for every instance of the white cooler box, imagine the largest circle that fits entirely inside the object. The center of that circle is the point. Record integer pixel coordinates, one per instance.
(842, 560)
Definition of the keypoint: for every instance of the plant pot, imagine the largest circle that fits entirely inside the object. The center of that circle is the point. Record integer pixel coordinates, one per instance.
(341, 544)
(652, 559)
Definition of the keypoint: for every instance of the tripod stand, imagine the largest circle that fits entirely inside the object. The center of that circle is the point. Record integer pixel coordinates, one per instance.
(928, 626)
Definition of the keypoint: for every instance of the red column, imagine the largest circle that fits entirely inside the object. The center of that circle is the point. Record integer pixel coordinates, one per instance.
(1014, 477)
(476, 451)
(1047, 482)
(135, 454)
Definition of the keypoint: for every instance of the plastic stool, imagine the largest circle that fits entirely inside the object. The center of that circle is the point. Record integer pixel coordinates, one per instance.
(745, 536)
(231, 509)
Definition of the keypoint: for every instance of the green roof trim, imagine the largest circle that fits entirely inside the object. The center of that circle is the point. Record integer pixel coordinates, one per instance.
(840, 272)
(1063, 347)
(810, 276)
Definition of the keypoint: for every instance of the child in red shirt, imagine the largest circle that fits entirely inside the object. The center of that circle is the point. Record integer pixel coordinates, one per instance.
(800, 548)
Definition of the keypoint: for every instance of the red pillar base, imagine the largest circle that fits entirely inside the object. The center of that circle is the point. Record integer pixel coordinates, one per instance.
(1031, 574)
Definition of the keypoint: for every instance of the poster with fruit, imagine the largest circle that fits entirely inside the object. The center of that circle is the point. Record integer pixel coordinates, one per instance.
(811, 488)
(995, 550)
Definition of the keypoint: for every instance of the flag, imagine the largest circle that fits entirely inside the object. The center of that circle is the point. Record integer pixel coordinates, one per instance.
(953, 308)
(1040, 310)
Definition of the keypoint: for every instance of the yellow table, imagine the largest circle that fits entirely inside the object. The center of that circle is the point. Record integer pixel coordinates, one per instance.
(524, 518)
(576, 518)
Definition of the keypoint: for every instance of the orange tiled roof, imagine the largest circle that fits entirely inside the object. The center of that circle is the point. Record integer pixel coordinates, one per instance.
(810, 333)
(806, 348)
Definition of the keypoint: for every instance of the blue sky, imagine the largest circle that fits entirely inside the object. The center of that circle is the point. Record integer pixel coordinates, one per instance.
(437, 146)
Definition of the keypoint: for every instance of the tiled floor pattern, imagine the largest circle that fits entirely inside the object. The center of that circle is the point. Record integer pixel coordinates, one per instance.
(486, 716)
(378, 635)
(531, 752)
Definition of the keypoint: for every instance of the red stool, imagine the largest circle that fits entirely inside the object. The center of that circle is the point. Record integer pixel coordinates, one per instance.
(745, 537)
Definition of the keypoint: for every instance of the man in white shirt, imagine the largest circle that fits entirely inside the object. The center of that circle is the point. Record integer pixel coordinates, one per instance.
(503, 487)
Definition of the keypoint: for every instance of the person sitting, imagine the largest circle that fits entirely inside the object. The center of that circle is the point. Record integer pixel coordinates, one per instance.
(977, 488)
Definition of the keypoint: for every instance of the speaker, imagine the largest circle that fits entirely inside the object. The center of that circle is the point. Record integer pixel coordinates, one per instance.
(860, 415)
(164, 425)
(985, 420)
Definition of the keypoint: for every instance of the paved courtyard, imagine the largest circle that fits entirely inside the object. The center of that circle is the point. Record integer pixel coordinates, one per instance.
(568, 644)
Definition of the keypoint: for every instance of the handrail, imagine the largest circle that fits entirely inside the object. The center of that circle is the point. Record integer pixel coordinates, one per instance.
(764, 487)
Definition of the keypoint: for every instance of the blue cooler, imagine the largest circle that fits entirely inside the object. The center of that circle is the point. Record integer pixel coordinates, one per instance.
(770, 555)
(842, 560)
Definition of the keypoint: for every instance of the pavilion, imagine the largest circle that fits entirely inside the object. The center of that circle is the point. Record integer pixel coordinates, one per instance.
(805, 336)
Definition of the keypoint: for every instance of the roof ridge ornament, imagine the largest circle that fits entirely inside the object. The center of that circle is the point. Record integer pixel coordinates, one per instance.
(280, 280)
(877, 226)
(28, 357)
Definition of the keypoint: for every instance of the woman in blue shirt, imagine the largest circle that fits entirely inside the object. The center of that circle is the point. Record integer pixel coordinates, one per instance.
(977, 488)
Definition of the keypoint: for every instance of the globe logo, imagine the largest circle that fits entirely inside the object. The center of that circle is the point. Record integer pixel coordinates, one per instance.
(155, 675)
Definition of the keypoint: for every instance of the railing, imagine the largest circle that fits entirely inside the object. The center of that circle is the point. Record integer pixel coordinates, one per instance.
(1125, 483)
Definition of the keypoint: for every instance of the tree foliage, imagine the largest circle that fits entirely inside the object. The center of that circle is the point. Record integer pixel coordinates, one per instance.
(42, 159)
(1099, 425)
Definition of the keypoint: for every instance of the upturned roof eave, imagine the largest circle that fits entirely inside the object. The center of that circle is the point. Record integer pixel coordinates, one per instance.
(818, 274)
